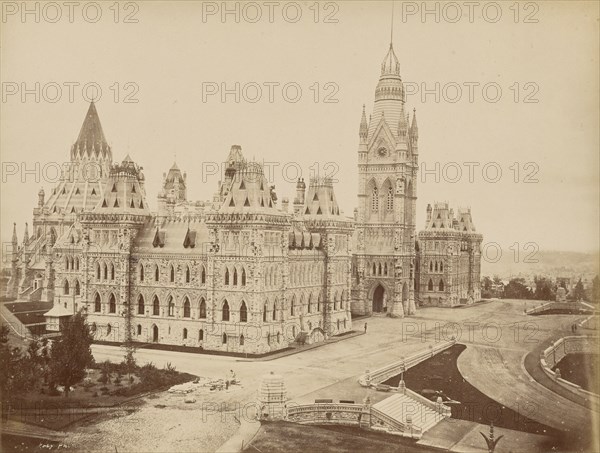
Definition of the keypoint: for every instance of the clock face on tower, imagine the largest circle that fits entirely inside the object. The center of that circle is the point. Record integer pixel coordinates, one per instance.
(382, 152)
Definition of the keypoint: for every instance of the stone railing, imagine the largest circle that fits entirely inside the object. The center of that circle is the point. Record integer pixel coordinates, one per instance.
(539, 308)
(558, 350)
(379, 375)
(591, 322)
(324, 413)
(364, 416)
(440, 408)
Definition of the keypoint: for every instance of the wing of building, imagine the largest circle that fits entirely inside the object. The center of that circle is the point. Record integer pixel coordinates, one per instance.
(241, 272)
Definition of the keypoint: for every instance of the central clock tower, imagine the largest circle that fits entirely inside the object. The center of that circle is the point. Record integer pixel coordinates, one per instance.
(384, 262)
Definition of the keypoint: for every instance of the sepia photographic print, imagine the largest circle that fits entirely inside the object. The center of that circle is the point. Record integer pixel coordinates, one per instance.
(300, 226)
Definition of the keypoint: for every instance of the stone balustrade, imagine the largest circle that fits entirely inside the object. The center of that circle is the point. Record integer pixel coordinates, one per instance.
(558, 350)
(362, 415)
(379, 375)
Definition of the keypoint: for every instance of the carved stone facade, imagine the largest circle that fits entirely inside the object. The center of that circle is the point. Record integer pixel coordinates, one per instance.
(449, 258)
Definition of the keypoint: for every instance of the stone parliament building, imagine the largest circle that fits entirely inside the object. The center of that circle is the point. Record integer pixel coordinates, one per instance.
(240, 273)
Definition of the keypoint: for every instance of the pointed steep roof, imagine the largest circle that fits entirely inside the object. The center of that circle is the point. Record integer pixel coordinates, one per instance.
(91, 141)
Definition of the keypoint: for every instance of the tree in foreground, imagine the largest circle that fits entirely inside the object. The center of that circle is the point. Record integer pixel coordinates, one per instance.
(71, 353)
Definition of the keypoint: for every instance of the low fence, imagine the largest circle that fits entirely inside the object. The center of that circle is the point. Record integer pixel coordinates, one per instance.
(379, 375)
(558, 350)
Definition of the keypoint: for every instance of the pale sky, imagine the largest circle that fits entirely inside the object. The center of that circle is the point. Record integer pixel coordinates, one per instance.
(171, 52)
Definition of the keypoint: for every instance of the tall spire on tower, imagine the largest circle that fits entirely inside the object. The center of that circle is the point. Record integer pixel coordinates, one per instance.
(14, 241)
(91, 140)
(414, 129)
(26, 234)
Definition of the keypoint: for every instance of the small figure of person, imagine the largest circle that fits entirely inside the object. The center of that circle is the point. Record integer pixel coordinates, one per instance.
(365, 327)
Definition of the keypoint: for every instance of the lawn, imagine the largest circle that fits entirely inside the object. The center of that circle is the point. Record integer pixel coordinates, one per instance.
(98, 392)
(278, 437)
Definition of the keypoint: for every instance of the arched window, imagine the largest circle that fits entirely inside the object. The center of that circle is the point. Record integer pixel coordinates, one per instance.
(374, 269)
(379, 269)
(241, 340)
(269, 339)
(66, 287)
(335, 301)
(112, 304)
(201, 335)
(243, 276)
(436, 266)
(202, 309)
(155, 306)
(98, 273)
(309, 306)
(66, 263)
(226, 276)
(112, 271)
(431, 266)
(265, 312)
(441, 285)
(141, 307)
(390, 199)
(225, 314)
(105, 272)
(186, 308)
(292, 305)
(224, 338)
(185, 334)
(202, 275)
(278, 337)
(139, 329)
(441, 266)
(243, 313)
(342, 300)
(338, 324)
(156, 273)
(374, 200)
(235, 280)
(430, 285)
(77, 288)
(108, 329)
(141, 272)
(385, 269)
(171, 306)
(97, 303)
(275, 310)
(187, 274)
(76, 264)
(319, 303)
(172, 273)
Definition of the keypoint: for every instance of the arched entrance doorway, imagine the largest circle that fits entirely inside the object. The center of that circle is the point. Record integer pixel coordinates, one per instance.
(378, 306)
(155, 333)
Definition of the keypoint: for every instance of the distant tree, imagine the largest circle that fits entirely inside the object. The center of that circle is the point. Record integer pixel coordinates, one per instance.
(543, 289)
(595, 289)
(516, 289)
(579, 292)
(497, 280)
(71, 353)
(486, 287)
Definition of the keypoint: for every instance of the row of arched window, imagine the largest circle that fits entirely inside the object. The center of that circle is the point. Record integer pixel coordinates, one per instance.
(75, 287)
(173, 273)
(306, 273)
(234, 278)
(436, 266)
(440, 286)
(71, 264)
(105, 271)
(380, 269)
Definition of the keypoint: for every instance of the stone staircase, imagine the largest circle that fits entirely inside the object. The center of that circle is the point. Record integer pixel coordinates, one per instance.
(404, 409)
